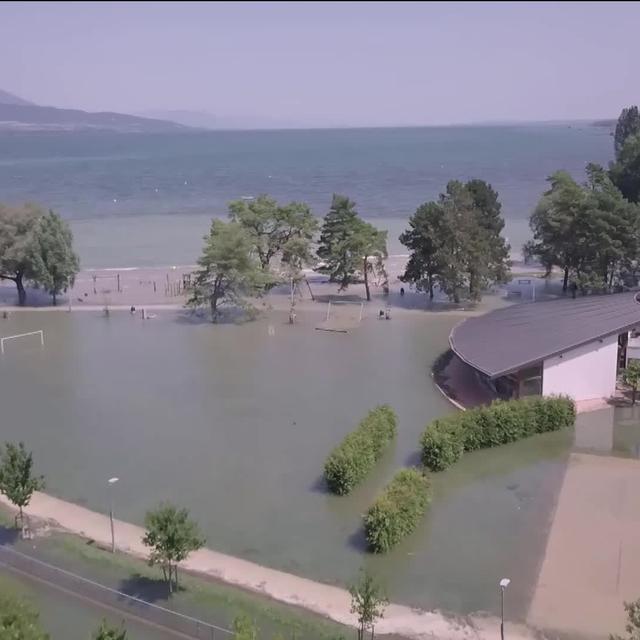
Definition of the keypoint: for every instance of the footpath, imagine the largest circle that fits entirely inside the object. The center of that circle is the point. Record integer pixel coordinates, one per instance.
(326, 600)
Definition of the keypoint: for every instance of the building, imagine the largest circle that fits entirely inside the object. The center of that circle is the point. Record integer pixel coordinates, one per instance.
(569, 346)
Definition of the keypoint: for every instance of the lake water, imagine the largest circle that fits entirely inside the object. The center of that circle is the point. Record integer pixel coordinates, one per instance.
(146, 200)
(235, 422)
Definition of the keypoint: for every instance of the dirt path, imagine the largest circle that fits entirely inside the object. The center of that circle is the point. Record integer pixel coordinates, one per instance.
(323, 599)
(592, 561)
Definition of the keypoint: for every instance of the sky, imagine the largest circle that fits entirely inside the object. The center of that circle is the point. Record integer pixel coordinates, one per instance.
(327, 64)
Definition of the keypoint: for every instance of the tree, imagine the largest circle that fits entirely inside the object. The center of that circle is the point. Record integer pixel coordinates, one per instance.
(57, 262)
(244, 628)
(18, 620)
(228, 270)
(19, 256)
(589, 231)
(107, 632)
(17, 481)
(631, 377)
(347, 243)
(633, 622)
(625, 171)
(424, 239)
(297, 254)
(456, 242)
(367, 602)
(271, 226)
(628, 125)
(172, 536)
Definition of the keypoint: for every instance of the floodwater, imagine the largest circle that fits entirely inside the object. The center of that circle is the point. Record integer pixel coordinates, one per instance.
(234, 422)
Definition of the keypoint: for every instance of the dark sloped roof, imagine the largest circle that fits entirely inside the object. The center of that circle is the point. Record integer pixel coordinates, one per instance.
(522, 335)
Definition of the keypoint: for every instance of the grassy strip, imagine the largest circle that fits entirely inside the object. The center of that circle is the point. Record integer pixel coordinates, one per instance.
(397, 511)
(208, 599)
(349, 463)
(445, 440)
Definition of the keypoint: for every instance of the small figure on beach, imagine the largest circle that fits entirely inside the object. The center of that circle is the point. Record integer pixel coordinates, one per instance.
(401, 291)
(381, 314)
(132, 310)
(5, 315)
(387, 314)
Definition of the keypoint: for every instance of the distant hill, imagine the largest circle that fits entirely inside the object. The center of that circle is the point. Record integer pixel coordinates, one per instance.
(9, 98)
(17, 114)
(205, 120)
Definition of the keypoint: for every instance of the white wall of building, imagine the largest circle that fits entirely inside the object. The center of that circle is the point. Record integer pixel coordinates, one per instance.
(584, 373)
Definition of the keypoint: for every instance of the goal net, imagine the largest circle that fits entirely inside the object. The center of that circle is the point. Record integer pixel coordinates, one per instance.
(342, 316)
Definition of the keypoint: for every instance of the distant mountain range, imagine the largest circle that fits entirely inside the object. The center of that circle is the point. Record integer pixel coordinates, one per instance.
(17, 114)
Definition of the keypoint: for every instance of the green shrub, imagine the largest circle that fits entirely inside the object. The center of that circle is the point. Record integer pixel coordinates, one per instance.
(397, 511)
(355, 456)
(442, 443)
(444, 440)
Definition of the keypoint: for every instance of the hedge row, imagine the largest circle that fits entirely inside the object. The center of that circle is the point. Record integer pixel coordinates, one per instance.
(397, 511)
(446, 439)
(355, 456)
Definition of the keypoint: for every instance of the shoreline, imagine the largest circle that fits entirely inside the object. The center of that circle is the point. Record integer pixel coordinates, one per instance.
(325, 600)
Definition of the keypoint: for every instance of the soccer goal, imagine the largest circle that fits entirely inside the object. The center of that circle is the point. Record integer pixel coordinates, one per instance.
(39, 333)
(342, 315)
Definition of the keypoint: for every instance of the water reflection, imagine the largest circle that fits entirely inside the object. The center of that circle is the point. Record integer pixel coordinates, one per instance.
(611, 431)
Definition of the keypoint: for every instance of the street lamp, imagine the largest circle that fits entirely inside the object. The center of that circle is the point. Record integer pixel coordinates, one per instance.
(112, 481)
(504, 583)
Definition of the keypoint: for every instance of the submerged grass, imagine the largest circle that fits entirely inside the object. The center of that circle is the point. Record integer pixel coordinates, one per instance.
(203, 598)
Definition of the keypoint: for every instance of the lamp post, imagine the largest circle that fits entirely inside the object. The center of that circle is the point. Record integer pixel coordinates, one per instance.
(112, 481)
(504, 583)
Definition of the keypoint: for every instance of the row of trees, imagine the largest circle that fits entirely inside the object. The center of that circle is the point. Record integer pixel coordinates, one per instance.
(36, 247)
(265, 243)
(591, 230)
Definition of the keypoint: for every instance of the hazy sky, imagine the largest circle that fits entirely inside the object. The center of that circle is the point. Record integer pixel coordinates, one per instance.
(327, 63)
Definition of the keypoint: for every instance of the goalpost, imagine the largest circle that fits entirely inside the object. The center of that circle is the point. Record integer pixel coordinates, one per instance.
(40, 332)
(345, 302)
(342, 315)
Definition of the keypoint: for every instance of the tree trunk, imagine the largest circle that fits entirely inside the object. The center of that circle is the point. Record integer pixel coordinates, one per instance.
(55, 301)
(430, 278)
(175, 573)
(565, 280)
(21, 522)
(214, 308)
(22, 294)
(170, 579)
(366, 279)
(634, 389)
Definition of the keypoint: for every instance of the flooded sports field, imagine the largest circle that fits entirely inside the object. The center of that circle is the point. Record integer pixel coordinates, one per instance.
(235, 421)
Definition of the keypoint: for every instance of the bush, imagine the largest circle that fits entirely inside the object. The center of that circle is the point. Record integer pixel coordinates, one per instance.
(355, 456)
(397, 511)
(444, 440)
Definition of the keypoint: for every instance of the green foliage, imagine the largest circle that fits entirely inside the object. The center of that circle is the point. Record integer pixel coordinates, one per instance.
(17, 480)
(456, 242)
(445, 439)
(625, 171)
(368, 602)
(631, 377)
(107, 632)
(244, 628)
(397, 511)
(273, 228)
(355, 456)
(58, 264)
(442, 444)
(589, 231)
(18, 620)
(347, 243)
(19, 255)
(172, 536)
(628, 125)
(227, 270)
(633, 622)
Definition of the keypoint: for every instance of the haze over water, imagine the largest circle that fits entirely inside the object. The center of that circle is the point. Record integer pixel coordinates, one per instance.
(145, 200)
